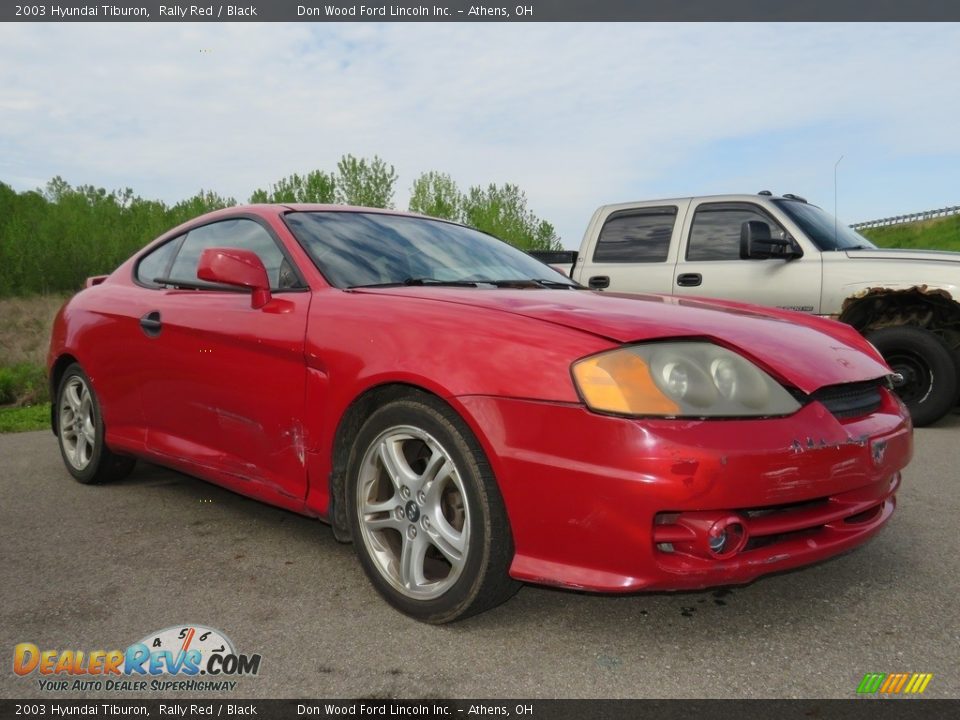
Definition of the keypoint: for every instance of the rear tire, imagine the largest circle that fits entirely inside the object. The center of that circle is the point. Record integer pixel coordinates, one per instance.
(80, 432)
(930, 374)
(426, 515)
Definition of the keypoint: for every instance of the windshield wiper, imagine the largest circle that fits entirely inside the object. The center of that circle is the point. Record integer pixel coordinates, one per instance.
(423, 281)
(474, 282)
(557, 284)
(530, 283)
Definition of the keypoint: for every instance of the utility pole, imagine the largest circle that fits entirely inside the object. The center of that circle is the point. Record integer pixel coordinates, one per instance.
(835, 221)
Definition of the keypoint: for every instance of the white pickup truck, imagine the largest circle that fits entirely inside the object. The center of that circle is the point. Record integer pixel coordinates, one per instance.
(788, 253)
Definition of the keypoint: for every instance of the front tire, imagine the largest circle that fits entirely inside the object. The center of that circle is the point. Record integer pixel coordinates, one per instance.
(930, 385)
(80, 432)
(425, 513)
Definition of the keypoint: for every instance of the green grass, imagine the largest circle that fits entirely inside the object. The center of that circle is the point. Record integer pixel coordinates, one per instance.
(25, 325)
(24, 419)
(23, 384)
(938, 234)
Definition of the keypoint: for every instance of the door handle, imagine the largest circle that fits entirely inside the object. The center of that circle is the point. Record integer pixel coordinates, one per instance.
(689, 279)
(599, 282)
(150, 323)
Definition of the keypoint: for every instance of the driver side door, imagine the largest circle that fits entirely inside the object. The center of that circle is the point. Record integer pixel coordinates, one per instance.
(224, 390)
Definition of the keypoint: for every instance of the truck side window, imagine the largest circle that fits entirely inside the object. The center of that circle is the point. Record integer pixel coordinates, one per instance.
(715, 232)
(636, 236)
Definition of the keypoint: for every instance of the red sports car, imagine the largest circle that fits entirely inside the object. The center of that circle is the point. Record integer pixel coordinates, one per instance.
(468, 417)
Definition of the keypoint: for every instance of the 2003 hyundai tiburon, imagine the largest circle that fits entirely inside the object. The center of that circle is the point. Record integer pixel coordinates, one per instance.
(470, 418)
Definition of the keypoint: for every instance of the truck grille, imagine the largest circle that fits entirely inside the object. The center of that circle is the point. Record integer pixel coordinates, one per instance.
(851, 399)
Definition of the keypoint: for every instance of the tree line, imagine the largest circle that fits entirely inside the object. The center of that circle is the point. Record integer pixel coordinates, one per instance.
(52, 238)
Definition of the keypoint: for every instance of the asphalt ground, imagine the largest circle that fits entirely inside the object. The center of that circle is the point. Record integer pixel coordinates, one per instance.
(99, 568)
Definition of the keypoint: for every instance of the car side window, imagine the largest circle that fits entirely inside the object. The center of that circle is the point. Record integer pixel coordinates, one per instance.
(239, 233)
(636, 236)
(156, 263)
(715, 231)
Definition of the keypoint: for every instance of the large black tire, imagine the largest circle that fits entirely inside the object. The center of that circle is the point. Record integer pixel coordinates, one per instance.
(930, 377)
(80, 432)
(425, 513)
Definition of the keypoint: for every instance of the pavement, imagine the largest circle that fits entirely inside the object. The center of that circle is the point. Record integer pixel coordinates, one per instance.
(100, 567)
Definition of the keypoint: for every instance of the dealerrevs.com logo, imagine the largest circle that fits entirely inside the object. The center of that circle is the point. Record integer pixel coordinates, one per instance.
(198, 658)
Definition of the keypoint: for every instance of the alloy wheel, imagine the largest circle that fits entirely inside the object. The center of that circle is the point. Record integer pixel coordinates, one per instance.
(413, 513)
(78, 433)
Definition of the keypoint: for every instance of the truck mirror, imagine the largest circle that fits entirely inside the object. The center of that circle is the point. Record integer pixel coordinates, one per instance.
(756, 242)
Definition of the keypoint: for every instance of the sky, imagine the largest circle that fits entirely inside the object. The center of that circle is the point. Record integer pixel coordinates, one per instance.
(577, 114)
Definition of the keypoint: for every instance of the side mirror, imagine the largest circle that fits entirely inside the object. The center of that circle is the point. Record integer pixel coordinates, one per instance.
(757, 244)
(240, 268)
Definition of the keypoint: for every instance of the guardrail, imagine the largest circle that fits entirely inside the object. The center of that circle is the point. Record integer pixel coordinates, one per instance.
(912, 217)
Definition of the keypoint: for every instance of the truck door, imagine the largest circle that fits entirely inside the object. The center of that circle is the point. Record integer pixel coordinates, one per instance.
(633, 252)
(710, 265)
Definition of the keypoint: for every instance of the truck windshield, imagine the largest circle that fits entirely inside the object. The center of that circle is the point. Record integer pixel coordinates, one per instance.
(820, 226)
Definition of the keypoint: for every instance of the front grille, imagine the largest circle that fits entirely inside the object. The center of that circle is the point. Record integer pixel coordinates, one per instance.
(761, 541)
(850, 400)
(774, 509)
(772, 512)
(774, 529)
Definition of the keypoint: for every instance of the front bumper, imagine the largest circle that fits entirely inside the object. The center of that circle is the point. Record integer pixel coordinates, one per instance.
(609, 504)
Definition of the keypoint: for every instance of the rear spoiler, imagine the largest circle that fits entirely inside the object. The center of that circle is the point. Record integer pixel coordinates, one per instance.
(94, 280)
(562, 260)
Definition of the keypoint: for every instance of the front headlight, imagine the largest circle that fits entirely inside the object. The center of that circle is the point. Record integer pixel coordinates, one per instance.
(679, 379)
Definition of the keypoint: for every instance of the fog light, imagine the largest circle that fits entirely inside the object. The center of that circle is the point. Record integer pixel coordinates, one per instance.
(707, 534)
(718, 539)
(725, 537)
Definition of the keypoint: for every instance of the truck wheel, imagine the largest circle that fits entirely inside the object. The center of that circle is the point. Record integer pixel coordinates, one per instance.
(929, 385)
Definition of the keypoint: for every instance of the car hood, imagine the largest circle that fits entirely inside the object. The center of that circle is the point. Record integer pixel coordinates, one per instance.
(803, 351)
(901, 255)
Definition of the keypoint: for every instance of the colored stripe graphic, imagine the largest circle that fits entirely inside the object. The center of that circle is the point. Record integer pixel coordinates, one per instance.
(920, 682)
(871, 683)
(894, 683)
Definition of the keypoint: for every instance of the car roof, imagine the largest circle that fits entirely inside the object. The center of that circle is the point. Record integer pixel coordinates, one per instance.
(273, 209)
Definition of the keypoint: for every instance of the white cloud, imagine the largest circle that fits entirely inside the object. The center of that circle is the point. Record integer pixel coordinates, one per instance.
(576, 114)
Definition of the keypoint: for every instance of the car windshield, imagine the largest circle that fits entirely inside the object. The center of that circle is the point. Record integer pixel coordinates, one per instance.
(821, 227)
(364, 249)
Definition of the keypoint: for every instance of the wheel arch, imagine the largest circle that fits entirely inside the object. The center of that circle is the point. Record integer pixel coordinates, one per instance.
(931, 308)
(353, 418)
(57, 370)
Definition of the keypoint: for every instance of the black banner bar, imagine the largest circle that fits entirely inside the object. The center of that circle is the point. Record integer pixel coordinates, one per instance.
(203, 709)
(487, 11)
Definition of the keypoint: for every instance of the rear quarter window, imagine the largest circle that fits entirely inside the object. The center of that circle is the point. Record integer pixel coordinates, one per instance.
(636, 236)
(156, 264)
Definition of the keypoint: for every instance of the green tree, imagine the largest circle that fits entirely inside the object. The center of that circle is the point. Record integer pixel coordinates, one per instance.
(203, 202)
(437, 195)
(56, 189)
(545, 236)
(502, 211)
(52, 238)
(314, 187)
(367, 183)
